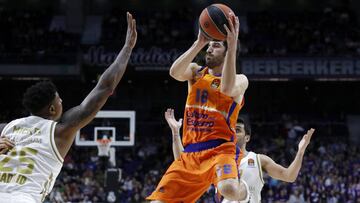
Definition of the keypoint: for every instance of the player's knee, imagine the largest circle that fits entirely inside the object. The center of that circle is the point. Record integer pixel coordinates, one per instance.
(229, 189)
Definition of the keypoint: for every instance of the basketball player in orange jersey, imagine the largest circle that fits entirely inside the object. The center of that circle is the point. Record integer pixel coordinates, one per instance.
(38, 143)
(215, 97)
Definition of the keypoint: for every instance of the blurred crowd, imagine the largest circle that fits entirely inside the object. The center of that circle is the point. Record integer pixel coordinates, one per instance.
(330, 173)
(27, 38)
(29, 35)
(160, 27)
(331, 32)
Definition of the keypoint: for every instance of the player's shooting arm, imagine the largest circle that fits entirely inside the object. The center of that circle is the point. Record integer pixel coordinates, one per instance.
(79, 116)
(182, 69)
(228, 80)
(241, 84)
(287, 174)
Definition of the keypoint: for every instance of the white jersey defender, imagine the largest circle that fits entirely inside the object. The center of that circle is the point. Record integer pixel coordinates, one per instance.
(251, 172)
(31, 167)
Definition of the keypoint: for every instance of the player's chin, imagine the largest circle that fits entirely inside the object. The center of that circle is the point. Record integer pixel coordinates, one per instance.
(210, 64)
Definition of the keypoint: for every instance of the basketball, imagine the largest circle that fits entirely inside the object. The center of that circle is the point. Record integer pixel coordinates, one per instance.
(212, 20)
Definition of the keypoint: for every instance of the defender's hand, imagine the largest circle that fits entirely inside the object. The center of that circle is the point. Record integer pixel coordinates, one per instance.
(173, 123)
(306, 140)
(131, 34)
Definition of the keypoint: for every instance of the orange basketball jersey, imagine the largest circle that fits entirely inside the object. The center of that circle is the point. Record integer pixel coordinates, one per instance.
(209, 114)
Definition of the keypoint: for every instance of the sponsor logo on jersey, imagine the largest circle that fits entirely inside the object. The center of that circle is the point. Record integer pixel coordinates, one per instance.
(251, 163)
(26, 131)
(198, 122)
(215, 83)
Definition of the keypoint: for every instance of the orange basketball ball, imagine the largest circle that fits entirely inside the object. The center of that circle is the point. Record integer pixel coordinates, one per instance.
(212, 20)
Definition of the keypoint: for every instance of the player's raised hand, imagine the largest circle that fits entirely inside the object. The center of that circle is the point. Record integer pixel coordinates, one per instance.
(232, 31)
(131, 34)
(173, 123)
(5, 145)
(202, 39)
(306, 140)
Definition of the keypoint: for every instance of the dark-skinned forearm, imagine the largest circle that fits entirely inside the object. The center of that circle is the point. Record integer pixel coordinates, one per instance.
(111, 77)
(80, 115)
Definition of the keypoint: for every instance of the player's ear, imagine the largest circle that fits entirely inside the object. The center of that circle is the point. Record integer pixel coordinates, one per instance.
(247, 138)
(52, 109)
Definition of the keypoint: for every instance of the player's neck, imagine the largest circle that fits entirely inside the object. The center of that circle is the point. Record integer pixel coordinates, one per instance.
(43, 115)
(243, 149)
(216, 71)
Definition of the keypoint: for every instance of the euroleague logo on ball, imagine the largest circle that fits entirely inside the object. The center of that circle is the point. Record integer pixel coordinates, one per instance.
(206, 24)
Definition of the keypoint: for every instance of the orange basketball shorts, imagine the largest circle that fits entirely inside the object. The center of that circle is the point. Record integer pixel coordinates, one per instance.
(190, 176)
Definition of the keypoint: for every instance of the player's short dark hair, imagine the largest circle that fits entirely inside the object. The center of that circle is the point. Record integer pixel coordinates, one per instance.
(247, 126)
(225, 45)
(39, 96)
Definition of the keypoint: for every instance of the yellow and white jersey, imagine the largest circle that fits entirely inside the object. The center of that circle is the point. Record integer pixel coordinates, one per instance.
(32, 166)
(251, 172)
